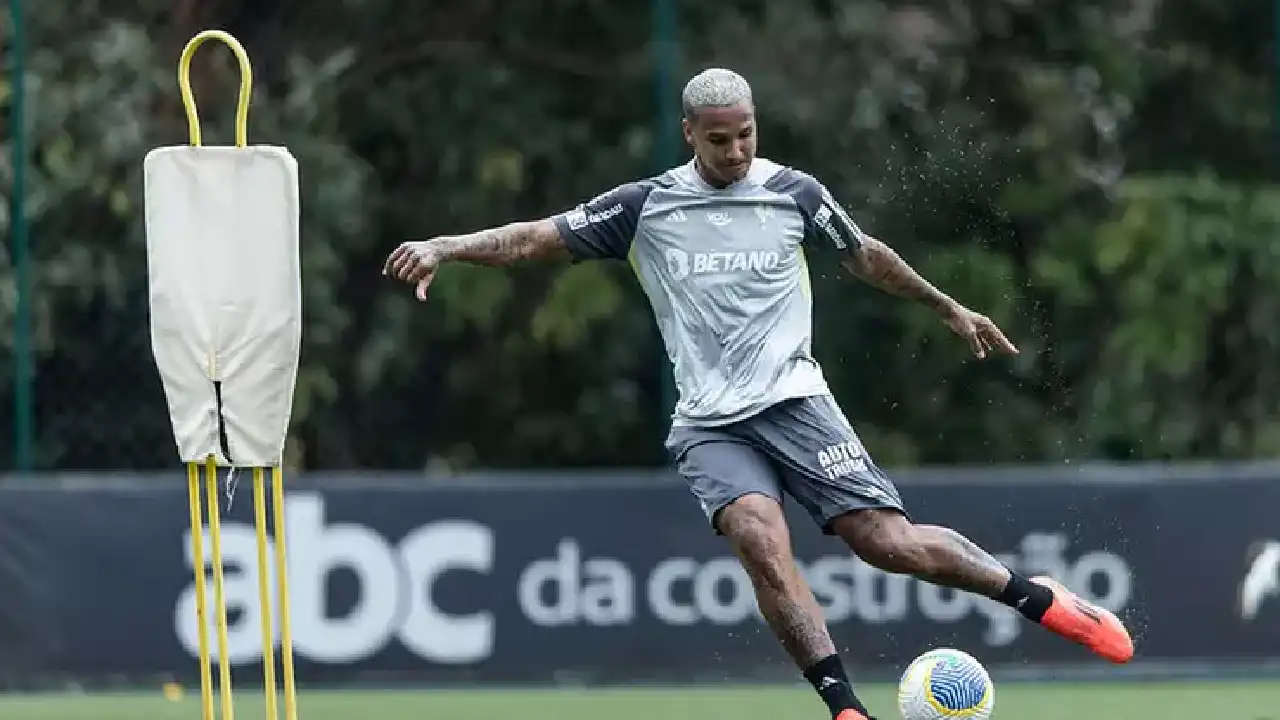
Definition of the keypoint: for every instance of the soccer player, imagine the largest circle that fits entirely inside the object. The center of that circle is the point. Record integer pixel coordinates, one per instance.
(718, 246)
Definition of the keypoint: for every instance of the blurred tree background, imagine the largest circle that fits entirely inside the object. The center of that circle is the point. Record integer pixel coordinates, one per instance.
(1097, 176)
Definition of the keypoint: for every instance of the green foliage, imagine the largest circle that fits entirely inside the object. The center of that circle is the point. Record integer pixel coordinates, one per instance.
(1187, 268)
(1093, 176)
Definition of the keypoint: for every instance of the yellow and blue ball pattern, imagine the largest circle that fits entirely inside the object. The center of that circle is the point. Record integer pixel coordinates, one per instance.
(945, 683)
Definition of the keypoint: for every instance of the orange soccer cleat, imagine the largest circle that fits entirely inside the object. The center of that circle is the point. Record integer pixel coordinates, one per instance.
(852, 715)
(1083, 622)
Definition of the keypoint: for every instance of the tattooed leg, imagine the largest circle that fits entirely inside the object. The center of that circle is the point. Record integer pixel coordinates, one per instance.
(757, 530)
(943, 556)
(889, 541)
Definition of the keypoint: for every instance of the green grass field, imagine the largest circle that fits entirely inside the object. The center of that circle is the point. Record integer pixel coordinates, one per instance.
(1014, 701)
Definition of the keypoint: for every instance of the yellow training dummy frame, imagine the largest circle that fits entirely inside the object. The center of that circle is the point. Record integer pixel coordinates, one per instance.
(222, 227)
(246, 85)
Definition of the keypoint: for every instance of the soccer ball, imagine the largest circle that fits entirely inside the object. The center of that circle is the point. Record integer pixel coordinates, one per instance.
(943, 684)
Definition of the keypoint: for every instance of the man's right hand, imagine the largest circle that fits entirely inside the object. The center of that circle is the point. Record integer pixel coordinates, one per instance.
(415, 263)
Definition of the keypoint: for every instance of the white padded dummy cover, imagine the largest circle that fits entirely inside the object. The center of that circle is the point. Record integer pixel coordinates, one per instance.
(222, 227)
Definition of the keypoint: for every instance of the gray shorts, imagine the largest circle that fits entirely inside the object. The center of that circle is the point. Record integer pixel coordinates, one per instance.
(803, 447)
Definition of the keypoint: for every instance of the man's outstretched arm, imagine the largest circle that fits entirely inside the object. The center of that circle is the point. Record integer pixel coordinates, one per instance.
(416, 262)
(601, 228)
(879, 265)
(504, 245)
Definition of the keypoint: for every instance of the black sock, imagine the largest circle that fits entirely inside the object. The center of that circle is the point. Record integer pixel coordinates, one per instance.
(828, 679)
(1030, 599)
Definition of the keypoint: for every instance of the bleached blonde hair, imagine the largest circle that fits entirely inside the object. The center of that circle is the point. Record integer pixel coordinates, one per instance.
(714, 88)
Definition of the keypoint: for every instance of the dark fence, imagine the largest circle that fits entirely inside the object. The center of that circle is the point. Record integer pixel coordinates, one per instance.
(502, 579)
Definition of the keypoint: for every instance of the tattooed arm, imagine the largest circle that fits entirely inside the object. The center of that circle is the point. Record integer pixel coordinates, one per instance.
(417, 262)
(878, 265)
(599, 229)
(504, 245)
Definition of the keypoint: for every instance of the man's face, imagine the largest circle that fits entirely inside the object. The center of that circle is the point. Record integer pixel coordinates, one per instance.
(724, 141)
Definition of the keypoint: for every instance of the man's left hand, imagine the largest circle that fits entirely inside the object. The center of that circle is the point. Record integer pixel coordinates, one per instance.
(982, 335)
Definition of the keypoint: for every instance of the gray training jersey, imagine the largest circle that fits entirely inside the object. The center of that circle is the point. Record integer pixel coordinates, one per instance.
(724, 270)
